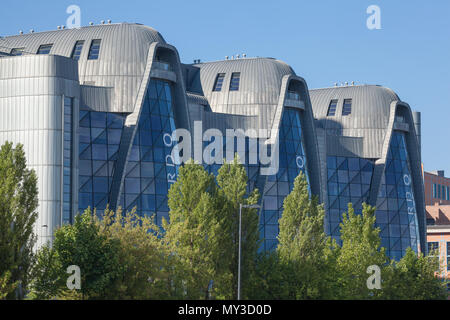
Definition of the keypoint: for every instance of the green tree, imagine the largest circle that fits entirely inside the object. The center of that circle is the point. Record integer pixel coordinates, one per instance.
(233, 191)
(83, 245)
(18, 204)
(303, 243)
(6, 287)
(192, 235)
(414, 278)
(360, 249)
(270, 281)
(144, 270)
(47, 275)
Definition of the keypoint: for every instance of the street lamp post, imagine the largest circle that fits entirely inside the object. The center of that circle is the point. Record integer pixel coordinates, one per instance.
(253, 206)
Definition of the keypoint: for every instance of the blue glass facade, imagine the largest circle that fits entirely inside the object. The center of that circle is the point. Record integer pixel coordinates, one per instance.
(292, 161)
(150, 170)
(396, 209)
(349, 180)
(100, 134)
(274, 188)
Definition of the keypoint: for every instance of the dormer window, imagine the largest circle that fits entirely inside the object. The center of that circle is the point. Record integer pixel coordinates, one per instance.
(76, 52)
(219, 82)
(94, 50)
(235, 78)
(45, 49)
(17, 51)
(332, 108)
(347, 108)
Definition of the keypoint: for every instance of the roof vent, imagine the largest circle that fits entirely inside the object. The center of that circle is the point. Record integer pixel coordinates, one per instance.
(32, 31)
(353, 83)
(244, 55)
(226, 57)
(232, 57)
(346, 83)
(20, 32)
(237, 56)
(102, 22)
(63, 27)
(109, 21)
(335, 84)
(91, 23)
(58, 27)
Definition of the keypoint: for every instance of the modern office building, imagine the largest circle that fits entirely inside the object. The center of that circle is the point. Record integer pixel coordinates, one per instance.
(104, 112)
(437, 188)
(97, 107)
(370, 153)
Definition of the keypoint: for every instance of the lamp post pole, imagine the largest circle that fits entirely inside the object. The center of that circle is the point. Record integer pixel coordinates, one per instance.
(253, 206)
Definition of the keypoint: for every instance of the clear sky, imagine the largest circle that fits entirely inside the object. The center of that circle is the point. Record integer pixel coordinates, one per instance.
(325, 41)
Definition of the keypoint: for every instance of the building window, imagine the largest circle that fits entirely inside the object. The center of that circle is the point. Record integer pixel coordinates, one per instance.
(77, 50)
(234, 84)
(219, 82)
(430, 222)
(67, 159)
(45, 49)
(332, 108)
(347, 109)
(292, 95)
(94, 50)
(439, 191)
(17, 51)
(448, 256)
(434, 191)
(432, 246)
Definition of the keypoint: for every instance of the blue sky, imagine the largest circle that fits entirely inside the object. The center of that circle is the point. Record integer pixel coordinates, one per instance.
(325, 41)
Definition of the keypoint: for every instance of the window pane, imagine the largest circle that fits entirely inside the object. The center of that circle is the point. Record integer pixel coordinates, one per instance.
(234, 84)
(77, 50)
(44, 49)
(332, 108)
(219, 82)
(347, 108)
(17, 51)
(94, 50)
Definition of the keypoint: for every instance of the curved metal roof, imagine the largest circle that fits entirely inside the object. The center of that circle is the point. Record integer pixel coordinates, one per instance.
(370, 106)
(260, 83)
(122, 58)
(368, 121)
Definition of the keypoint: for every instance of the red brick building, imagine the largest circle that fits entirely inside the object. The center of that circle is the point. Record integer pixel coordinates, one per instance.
(437, 188)
(438, 234)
